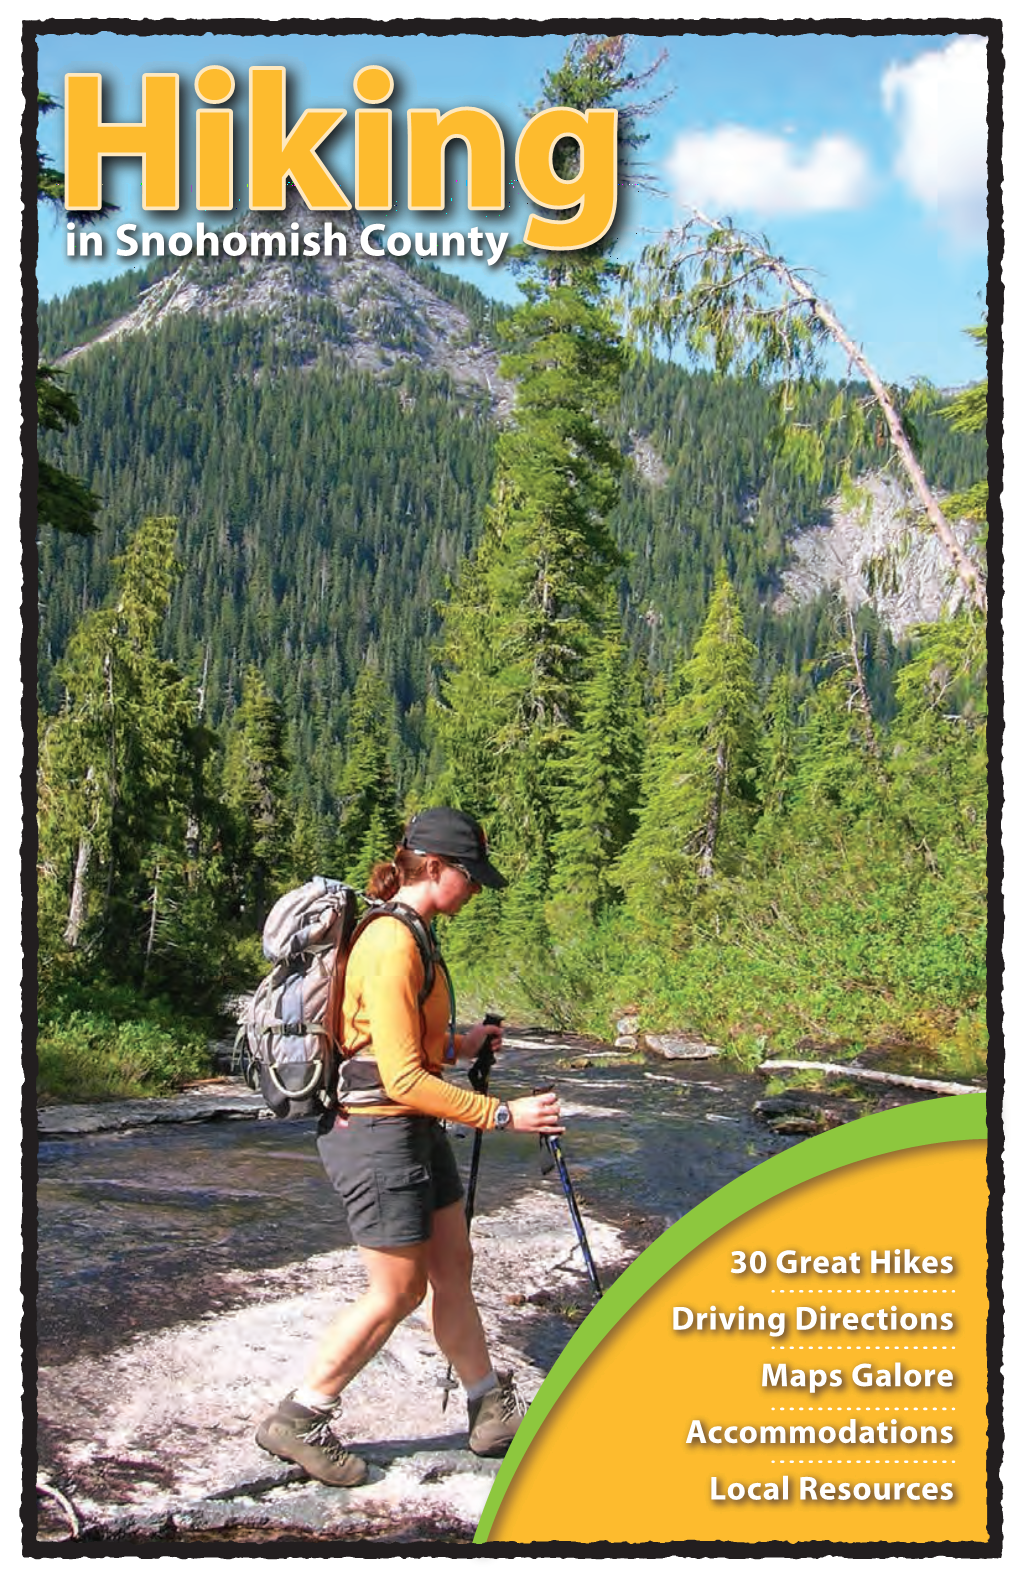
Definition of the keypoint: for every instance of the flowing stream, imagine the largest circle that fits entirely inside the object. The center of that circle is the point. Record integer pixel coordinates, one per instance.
(142, 1227)
(189, 1255)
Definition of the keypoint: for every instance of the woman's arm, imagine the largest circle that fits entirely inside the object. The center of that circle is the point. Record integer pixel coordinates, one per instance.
(387, 973)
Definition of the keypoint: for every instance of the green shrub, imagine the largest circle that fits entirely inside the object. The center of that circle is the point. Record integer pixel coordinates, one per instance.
(107, 1043)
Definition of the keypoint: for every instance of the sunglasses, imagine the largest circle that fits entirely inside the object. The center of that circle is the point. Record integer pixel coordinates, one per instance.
(468, 877)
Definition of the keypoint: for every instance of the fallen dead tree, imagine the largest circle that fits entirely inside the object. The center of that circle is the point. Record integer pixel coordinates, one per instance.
(872, 1075)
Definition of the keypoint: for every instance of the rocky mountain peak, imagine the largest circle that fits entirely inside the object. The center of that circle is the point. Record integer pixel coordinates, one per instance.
(296, 211)
(261, 266)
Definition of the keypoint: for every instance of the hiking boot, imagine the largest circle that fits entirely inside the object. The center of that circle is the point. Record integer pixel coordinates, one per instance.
(495, 1417)
(297, 1433)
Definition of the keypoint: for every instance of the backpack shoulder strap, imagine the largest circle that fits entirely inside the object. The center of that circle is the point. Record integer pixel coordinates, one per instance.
(431, 958)
(421, 932)
(428, 950)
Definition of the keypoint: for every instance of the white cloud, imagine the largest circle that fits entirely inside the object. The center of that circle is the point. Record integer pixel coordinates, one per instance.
(735, 170)
(940, 104)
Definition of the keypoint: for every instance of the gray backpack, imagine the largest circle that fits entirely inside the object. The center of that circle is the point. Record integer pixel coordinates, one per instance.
(284, 1046)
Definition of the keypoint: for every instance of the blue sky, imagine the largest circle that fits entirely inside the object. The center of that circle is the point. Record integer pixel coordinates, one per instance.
(860, 157)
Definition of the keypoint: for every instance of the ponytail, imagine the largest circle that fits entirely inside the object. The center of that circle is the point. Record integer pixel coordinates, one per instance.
(388, 877)
(384, 882)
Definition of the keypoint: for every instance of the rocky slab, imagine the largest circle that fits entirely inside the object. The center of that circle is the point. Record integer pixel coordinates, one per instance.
(159, 1434)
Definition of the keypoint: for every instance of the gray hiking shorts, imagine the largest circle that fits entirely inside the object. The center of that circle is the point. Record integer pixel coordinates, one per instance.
(392, 1173)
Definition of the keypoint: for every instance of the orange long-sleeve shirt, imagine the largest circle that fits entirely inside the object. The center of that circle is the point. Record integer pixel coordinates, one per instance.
(385, 976)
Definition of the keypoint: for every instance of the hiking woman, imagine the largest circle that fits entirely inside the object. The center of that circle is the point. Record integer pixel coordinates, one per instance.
(386, 1151)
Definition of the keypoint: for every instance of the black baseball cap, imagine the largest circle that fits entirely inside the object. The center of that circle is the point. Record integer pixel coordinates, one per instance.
(456, 836)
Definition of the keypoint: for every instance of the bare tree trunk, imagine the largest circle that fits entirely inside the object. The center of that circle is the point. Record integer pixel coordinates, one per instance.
(859, 692)
(871, 1075)
(202, 685)
(79, 891)
(706, 860)
(108, 668)
(79, 887)
(153, 916)
(964, 565)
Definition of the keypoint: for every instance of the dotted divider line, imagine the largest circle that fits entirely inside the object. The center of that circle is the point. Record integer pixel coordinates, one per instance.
(861, 1291)
(864, 1348)
(863, 1461)
(862, 1408)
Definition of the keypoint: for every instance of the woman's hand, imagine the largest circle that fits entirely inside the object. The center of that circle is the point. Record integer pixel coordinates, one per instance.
(536, 1113)
(472, 1040)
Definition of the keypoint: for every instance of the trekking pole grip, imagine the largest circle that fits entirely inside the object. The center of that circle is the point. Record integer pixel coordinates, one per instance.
(544, 1144)
(481, 1067)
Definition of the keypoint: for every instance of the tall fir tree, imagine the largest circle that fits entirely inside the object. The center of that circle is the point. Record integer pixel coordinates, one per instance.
(938, 759)
(523, 631)
(700, 791)
(778, 746)
(370, 822)
(601, 782)
(520, 633)
(121, 770)
(256, 790)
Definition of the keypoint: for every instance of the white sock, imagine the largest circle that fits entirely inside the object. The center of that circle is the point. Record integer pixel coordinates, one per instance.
(490, 1382)
(315, 1399)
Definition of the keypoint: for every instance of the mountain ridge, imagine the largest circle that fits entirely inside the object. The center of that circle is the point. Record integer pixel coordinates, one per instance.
(330, 483)
(385, 315)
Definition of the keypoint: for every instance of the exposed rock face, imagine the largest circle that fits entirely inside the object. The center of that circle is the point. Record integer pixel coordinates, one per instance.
(877, 551)
(223, 1100)
(647, 461)
(384, 314)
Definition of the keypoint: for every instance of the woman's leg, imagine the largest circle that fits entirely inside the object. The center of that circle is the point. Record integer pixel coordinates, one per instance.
(494, 1409)
(397, 1282)
(455, 1320)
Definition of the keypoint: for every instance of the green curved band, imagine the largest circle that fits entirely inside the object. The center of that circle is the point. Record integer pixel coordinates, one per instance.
(947, 1120)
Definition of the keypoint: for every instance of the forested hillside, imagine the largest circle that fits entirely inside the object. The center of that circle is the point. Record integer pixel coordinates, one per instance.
(322, 511)
(335, 578)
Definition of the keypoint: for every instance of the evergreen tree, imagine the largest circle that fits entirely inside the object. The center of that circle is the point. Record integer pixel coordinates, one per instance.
(778, 746)
(522, 632)
(968, 412)
(370, 822)
(596, 74)
(120, 767)
(62, 500)
(601, 782)
(939, 772)
(837, 765)
(700, 776)
(256, 790)
(311, 847)
(841, 759)
(938, 742)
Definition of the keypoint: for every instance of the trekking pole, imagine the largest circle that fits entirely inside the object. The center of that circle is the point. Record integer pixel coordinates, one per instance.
(478, 1078)
(555, 1148)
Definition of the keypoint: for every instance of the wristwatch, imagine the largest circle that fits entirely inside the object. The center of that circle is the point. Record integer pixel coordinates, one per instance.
(503, 1118)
